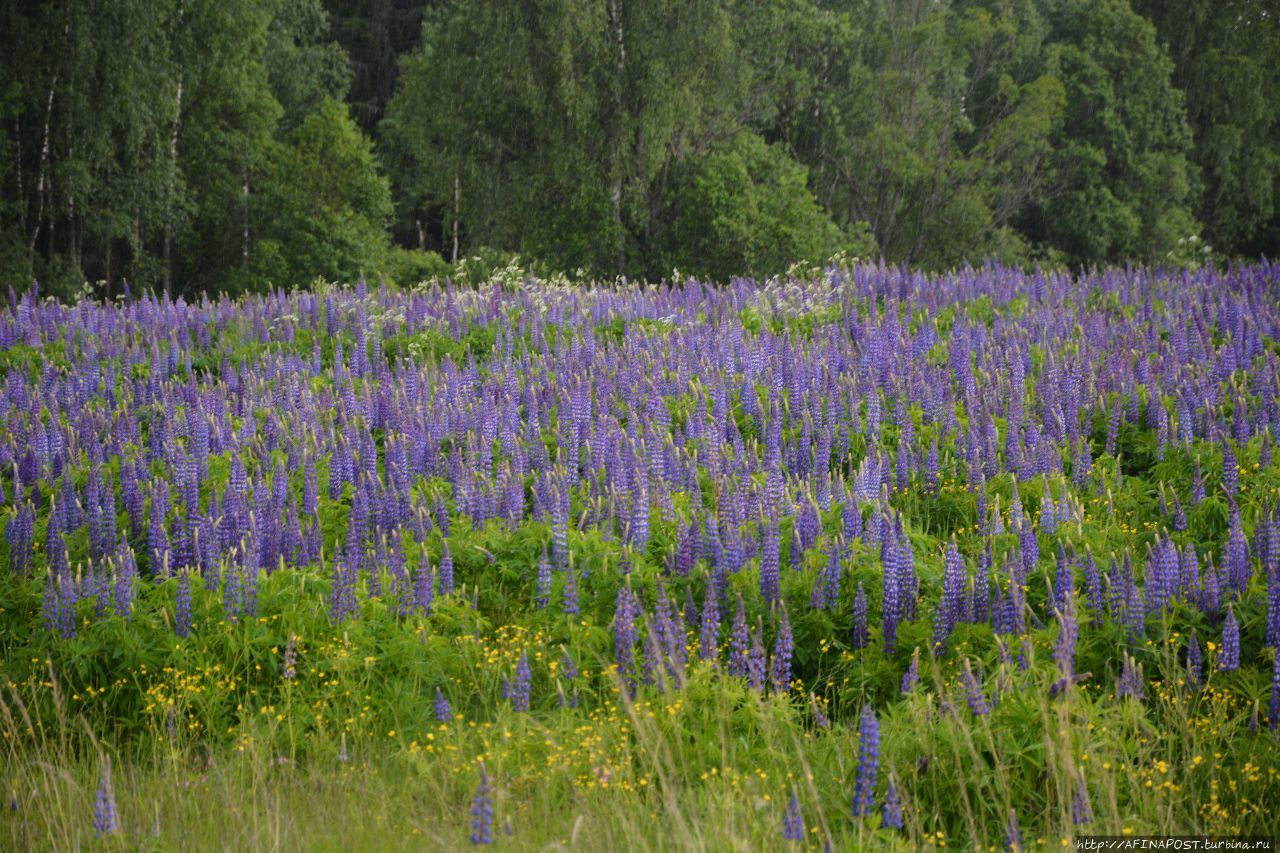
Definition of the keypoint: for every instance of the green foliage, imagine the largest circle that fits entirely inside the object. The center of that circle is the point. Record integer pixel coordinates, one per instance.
(330, 204)
(1121, 155)
(175, 145)
(747, 210)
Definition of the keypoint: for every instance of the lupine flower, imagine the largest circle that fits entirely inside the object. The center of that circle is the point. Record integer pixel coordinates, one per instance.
(864, 792)
(793, 822)
(756, 661)
(182, 607)
(861, 633)
(912, 675)
(973, 692)
(482, 812)
(446, 569)
(709, 643)
(624, 632)
(1195, 660)
(1081, 812)
(518, 691)
(543, 597)
(106, 820)
(739, 642)
(1013, 835)
(951, 606)
(819, 718)
(1131, 682)
(1273, 709)
(1064, 648)
(1273, 610)
(570, 592)
(892, 813)
(291, 657)
(1229, 659)
(769, 564)
(782, 648)
(444, 713)
(1230, 471)
(1237, 556)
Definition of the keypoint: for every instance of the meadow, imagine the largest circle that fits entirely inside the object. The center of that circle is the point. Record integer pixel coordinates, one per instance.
(868, 559)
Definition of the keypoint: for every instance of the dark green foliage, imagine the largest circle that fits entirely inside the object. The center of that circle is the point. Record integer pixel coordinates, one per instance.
(175, 145)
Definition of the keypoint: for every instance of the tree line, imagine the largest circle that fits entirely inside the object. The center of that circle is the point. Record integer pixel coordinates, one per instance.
(230, 145)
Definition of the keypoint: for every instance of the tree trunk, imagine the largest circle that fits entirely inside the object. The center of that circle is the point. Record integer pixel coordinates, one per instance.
(173, 178)
(457, 212)
(244, 211)
(617, 43)
(41, 182)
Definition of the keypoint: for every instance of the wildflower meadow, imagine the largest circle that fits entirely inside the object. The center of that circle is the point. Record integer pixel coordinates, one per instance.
(866, 559)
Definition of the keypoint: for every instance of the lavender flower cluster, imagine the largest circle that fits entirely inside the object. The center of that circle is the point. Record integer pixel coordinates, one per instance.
(800, 432)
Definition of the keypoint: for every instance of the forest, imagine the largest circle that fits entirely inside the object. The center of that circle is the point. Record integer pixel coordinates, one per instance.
(193, 146)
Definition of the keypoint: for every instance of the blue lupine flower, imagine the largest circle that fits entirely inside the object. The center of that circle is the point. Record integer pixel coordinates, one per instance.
(482, 812)
(793, 822)
(106, 820)
(892, 812)
(864, 792)
(1229, 659)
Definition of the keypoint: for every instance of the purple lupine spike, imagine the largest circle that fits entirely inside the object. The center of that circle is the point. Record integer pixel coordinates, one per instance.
(1195, 661)
(1064, 648)
(443, 711)
(1237, 555)
(1230, 471)
(981, 610)
(955, 578)
(1273, 708)
(793, 821)
(126, 584)
(782, 648)
(1273, 611)
(423, 586)
(624, 633)
(739, 642)
(1081, 811)
(769, 564)
(446, 569)
(756, 665)
(182, 606)
(890, 614)
(106, 819)
(1131, 683)
(482, 811)
(1013, 835)
(1229, 658)
(543, 596)
(831, 579)
(66, 606)
(709, 643)
(1197, 486)
(864, 791)
(519, 693)
(290, 670)
(49, 603)
(974, 695)
(820, 719)
(861, 632)
(570, 591)
(892, 811)
(1211, 592)
(912, 676)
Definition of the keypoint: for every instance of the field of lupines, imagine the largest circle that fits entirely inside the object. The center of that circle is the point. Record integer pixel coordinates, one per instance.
(983, 560)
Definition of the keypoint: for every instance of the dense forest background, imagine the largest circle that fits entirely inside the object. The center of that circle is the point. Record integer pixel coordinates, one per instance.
(231, 145)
